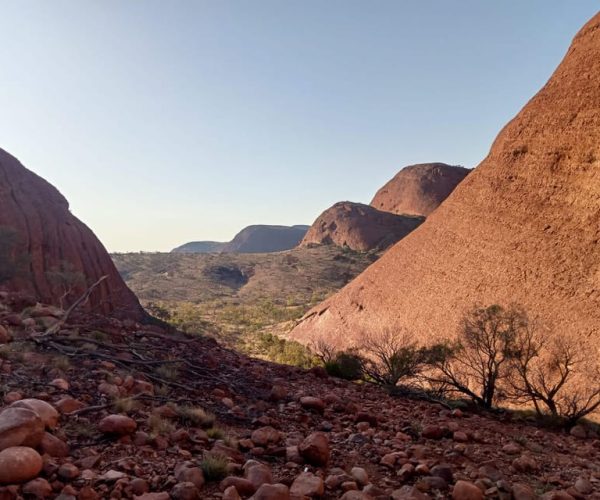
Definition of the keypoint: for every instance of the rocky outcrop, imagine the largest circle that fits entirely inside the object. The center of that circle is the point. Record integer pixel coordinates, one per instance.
(419, 189)
(200, 247)
(264, 238)
(47, 251)
(523, 227)
(359, 227)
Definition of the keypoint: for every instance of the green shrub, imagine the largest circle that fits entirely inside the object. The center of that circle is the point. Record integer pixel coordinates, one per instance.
(346, 365)
(214, 466)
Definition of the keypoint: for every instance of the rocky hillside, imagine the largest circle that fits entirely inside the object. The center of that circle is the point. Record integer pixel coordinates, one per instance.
(200, 247)
(359, 227)
(523, 227)
(419, 189)
(110, 409)
(49, 253)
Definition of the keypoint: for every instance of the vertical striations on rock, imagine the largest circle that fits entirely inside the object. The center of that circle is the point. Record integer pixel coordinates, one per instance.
(41, 238)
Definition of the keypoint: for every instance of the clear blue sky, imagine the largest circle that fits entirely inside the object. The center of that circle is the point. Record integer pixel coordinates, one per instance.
(169, 121)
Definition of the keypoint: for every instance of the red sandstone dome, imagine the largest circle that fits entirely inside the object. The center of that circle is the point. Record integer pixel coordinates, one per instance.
(359, 227)
(45, 238)
(419, 189)
(523, 227)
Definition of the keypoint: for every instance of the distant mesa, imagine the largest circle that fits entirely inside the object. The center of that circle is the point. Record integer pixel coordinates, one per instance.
(263, 238)
(46, 252)
(359, 227)
(200, 247)
(523, 227)
(259, 238)
(419, 189)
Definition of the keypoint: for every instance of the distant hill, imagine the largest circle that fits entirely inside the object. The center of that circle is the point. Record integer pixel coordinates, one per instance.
(259, 238)
(359, 227)
(263, 238)
(200, 247)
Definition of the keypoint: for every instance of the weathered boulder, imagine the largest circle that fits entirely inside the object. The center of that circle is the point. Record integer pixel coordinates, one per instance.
(20, 427)
(45, 410)
(117, 424)
(307, 485)
(19, 464)
(315, 448)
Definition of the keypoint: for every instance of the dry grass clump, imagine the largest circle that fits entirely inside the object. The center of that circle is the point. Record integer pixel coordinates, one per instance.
(125, 405)
(159, 426)
(196, 416)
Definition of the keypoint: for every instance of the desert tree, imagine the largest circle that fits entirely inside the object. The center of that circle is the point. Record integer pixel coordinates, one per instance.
(479, 360)
(559, 375)
(391, 355)
(323, 350)
(65, 280)
(347, 364)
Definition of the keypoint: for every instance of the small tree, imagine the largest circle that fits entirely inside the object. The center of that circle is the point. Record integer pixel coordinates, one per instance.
(392, 355)
(478, 362)
(559, 376)
(323, 350)
(65, 280)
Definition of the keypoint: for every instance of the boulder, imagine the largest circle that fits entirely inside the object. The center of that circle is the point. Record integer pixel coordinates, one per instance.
(19, 464)
(45, 410)
(265, 436)
(117, 424)
(185, 491)
(53, 446)
(465, 490)
(20, 426)
(308, 485)
(315, 449)
(272, 492)
(37, 488)
(258, 474)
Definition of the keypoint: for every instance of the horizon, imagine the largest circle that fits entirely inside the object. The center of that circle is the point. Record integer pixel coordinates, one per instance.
(165, 126)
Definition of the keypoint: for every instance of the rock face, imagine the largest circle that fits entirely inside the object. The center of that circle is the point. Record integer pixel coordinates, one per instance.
(40, 236)
(359, 227)
(263, 238)
(200, 247)
(419, 189)
(523, 227)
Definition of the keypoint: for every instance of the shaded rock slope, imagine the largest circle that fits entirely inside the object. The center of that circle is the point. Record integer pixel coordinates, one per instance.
(419, 189)
(359, 227)
(110, 409)
(523, 227)
(40, 237)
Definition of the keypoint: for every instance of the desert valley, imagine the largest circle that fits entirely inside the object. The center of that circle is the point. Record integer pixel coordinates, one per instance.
(441, 341)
